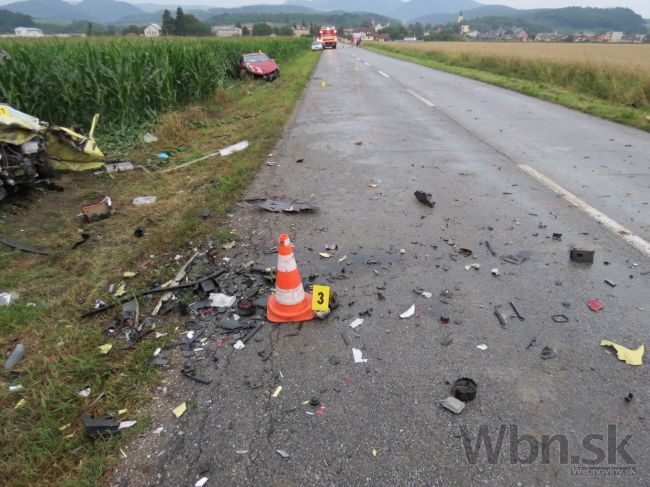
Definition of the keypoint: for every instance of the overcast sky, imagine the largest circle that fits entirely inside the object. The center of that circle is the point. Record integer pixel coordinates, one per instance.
(640, 6)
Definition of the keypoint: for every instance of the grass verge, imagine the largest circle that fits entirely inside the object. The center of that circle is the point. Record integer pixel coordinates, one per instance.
(622, 97)
(42, 440)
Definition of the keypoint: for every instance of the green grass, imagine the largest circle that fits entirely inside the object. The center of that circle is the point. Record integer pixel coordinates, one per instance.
(62, 356)
(610, 93)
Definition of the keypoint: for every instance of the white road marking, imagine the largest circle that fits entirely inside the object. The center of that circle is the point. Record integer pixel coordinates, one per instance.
(384, 74)
(601, 218)
(422, 99)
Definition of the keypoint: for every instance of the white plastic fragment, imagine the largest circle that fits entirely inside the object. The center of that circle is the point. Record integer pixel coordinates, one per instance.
(201, 482)
(408, 313)
(159, 430)
(7, 298)
(358, 356)
(282, 453)
(219, 300)
(427, 294)
(495, 272)
(482, 346)
(126, 424)
(357, 322)
(233, 148)
(144, 200)
(15, 388)
(150, 138)
(84, 392)
(239, 345)
(473, 266)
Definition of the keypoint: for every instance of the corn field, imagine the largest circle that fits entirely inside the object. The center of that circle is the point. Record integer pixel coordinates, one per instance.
(127, 81)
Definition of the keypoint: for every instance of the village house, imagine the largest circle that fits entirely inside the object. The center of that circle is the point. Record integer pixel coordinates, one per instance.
(226, 31)
(153, 30)
(301, 31)
(28, 32)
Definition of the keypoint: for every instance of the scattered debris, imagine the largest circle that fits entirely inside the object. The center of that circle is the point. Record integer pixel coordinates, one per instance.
(490, 249)
(373, 185)
(357, 322)
(15, 357)
(229, 245)
(446, 341)
(466, 252)
(501, 316)
(282, 453)
(239, 345)
(358, 356)
(464, 389)
(149, 138)
(495, 272)
(25, 247)
(84, 393)
(425, 198)
(98, 211)
(189, 371)
(201, 482)
(517, 314)
(627, 355)
(518, 258)
(324, 255)
(595, 305)
(7, 298)
(277, 391)
(278, 206)
(560, 318)
(582, 256)
(219, 300)
(548, 353)
(408, 313)
(144, 200)
(483, 347)
(139, 232)
(557, 236)
(99, 427)
(453, 405)
(179, 410)
(629, 397)
(474, 266)
(104, 349)
(610, 283)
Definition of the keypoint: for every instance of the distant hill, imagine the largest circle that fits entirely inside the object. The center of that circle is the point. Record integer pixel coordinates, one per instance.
(393, 8)
(10, 20)
(568, 20)
(341, 20)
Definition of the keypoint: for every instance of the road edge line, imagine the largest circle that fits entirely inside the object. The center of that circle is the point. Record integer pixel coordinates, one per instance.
(421, 98)
(615, 227)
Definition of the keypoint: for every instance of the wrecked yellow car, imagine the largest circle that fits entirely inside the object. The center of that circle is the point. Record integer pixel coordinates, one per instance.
(30, 150)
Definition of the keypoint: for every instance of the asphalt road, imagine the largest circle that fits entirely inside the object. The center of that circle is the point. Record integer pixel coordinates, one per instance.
(404, 128)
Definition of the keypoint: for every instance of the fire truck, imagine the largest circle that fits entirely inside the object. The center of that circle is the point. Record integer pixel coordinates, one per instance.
(327, 36)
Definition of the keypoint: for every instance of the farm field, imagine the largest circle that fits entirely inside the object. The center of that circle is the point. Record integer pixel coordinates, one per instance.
(626, 56)
(609, 81)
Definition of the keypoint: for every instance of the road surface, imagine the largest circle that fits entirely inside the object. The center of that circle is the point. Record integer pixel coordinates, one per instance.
(503, 168)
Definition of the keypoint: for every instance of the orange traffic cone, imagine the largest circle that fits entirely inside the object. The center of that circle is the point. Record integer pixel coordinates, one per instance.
(290, 301)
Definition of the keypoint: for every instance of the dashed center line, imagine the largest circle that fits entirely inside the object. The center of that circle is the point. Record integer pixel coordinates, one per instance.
(384, 74)
(601, 218)
(421, 98)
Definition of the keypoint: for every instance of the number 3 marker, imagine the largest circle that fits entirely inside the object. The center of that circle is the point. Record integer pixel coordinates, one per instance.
(320, 300)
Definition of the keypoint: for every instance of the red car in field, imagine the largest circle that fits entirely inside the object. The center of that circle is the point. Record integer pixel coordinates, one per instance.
(257, 65)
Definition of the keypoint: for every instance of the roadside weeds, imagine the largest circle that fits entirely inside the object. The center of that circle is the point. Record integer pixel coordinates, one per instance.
(61, 357)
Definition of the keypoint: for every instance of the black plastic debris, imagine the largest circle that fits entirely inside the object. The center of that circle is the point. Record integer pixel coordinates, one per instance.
(610, 283)
(517, 313)
(425, 198)
(465, 252)
(208, 286)
(490, 249)
(279, 206)
(629, 397)
(25, 247)
(518, 258)
(560, 318)
(139, 232)
(557, 236)
(464, 389)
(189, 371)
(264, 355)
(582, 256)
(533, 343)
(547, 353)
(314, 401)
(100, 427)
